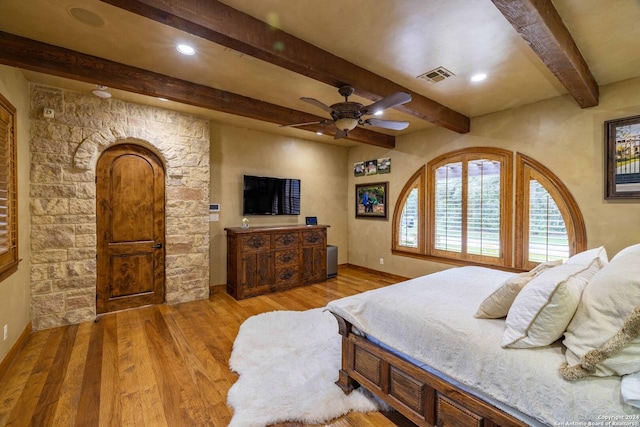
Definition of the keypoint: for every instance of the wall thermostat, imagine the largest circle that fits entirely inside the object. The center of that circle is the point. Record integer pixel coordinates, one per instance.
(214, 207)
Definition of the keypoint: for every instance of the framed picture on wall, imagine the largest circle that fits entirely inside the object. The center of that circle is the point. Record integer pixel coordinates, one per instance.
(384, 165)
(358, 169)
(371, 200)
(371, 167)
(622, 143)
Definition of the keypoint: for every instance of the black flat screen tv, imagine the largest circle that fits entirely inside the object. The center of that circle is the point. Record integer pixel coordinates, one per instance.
(270, 196)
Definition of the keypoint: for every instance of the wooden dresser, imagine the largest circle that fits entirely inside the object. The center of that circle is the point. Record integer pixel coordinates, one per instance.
(261, 260)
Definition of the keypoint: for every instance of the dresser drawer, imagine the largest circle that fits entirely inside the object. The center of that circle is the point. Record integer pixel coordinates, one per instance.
(287, 257)
(315, 237)
(285, 240)
(287, 276)
(255, 242)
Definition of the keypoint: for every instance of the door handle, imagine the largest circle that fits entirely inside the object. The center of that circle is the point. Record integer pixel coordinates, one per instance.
(157, 246)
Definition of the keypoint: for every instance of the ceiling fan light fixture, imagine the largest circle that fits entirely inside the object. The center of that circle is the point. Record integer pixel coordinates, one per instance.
(346, 115)
(346, 123)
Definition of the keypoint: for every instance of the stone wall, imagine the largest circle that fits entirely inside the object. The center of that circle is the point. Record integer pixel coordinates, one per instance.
(64, 152)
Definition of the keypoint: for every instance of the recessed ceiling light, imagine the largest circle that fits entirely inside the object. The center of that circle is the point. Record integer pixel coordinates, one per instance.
(163, 99)
(478, 77)
(86, 17)
(319, 133)
(185, 49)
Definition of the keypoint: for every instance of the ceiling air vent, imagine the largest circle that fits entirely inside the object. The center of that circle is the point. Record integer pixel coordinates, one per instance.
(436, 75)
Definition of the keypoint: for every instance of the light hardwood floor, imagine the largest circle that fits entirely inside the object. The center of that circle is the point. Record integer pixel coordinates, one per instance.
(155, 366)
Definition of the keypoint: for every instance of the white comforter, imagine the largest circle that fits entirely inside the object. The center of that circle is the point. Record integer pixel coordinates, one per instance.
(431, 319)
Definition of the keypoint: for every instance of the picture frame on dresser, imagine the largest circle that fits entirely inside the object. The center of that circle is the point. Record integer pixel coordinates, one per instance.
(622, 157)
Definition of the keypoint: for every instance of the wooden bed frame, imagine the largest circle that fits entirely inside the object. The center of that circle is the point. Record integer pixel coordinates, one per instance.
(422, 397)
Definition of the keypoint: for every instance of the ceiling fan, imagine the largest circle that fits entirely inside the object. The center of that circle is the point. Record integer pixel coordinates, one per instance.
(345, 116)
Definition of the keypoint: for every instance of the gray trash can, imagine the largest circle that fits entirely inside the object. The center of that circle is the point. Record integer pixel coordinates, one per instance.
(332, 261)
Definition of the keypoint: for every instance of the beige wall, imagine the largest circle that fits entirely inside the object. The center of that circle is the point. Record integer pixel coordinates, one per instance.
(557, 133)
(322, 169)
(14, 291)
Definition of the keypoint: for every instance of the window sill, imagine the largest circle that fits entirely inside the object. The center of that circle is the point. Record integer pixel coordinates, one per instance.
(452, 261)
(8, 269)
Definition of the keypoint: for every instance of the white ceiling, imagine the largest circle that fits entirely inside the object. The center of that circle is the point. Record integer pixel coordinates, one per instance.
(396, 39)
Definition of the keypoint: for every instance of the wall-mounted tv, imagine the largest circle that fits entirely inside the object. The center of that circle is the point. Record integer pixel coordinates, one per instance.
(270, 196)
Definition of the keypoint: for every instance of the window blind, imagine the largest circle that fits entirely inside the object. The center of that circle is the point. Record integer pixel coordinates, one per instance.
(483, 208)
(6, 167)
(448, 207)
(408, 230)
(548, 238)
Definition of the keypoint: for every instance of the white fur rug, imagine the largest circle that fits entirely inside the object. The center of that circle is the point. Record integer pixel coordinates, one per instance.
(288, 362)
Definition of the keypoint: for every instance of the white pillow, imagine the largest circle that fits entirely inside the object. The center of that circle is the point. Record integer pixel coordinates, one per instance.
(630, 389)
(543, 309)
(628, 250)
(602, 339)
(498, 303)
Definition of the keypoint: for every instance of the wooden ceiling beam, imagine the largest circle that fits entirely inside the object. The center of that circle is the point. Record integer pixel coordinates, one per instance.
(221, 24)
(33, 55)
(539, 23)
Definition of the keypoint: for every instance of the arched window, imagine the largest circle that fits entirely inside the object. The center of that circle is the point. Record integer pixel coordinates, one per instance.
(549, 224)
(466, 215)
(409, 215)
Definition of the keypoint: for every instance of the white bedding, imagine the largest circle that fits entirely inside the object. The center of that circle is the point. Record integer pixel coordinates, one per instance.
(431, 319)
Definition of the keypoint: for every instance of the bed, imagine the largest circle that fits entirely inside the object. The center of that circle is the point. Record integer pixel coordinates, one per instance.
(425, 347)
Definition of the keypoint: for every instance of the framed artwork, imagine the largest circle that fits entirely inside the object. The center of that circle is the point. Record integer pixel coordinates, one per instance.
(371, 200)
(622, 143)
(358, 169)
(384, 165)
(371, 167)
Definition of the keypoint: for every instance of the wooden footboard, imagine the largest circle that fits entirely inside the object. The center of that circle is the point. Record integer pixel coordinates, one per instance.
(422, 397)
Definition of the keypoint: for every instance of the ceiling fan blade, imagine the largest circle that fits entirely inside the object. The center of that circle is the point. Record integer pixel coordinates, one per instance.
(321, 122)
(390, 101)
(387, 124)
(317, 103)
(340, 134)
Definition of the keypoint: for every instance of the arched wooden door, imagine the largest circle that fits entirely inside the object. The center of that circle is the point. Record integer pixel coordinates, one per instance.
(130, 228)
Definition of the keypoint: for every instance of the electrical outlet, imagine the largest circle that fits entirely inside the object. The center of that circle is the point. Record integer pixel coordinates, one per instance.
(381, 261)
(6, 332)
